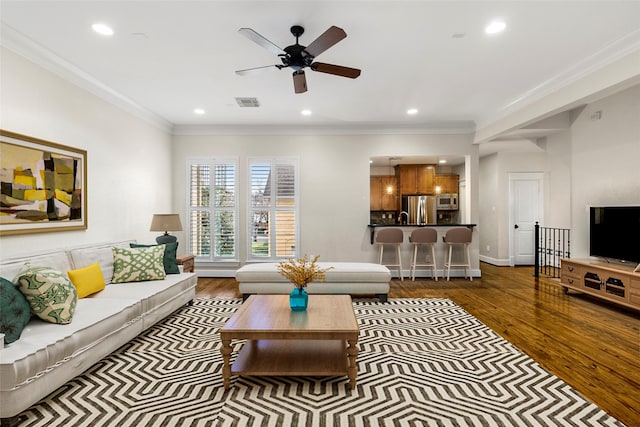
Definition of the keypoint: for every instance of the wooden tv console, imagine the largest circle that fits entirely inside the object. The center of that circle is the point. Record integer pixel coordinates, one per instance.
(612, 282)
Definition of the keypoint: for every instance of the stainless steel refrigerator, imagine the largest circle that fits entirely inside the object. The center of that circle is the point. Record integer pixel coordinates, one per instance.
(419, 209)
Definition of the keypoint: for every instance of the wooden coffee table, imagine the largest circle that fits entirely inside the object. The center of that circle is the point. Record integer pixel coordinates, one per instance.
(321, 341)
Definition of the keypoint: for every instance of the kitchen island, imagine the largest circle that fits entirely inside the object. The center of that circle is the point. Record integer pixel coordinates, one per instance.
(407, 248)
(410, 227)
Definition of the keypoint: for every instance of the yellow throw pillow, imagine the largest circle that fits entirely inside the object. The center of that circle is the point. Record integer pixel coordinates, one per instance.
(87, 280)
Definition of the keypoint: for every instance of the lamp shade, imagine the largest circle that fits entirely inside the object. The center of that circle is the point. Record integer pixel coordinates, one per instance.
(166, 223)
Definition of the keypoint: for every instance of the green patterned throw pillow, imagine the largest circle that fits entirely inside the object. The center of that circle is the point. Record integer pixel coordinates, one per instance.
(15, 312)
(49, 293)
(170, 259)
(138, 264)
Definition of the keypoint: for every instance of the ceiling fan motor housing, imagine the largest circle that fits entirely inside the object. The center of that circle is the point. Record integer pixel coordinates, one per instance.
(296, 57)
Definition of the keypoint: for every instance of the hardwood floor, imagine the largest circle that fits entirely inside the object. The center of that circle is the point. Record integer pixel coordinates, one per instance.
(590, 344)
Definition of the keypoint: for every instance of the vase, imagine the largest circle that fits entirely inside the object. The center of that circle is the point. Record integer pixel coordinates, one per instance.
(298, 299)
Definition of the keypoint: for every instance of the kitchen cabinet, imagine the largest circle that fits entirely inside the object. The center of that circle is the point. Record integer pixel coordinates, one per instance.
(449, 184)
(416, 179)
(383, 193)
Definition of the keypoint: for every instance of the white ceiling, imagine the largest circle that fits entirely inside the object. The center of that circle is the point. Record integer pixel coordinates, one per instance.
(169, 57)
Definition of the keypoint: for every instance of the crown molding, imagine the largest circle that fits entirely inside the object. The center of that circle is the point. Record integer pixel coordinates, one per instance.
(430, 128)
(29, 49)
(606, 56)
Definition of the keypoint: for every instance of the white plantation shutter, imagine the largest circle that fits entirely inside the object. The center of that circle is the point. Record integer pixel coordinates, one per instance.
(225, 211)
(273, 209)
(198, 210)
(285, 210)
(212, 227)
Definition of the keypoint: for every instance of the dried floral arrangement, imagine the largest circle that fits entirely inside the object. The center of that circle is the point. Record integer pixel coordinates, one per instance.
(302, 271)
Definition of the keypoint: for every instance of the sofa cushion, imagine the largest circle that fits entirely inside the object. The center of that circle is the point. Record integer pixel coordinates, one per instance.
(15, 312)
(87, 280)
(102, 254)
(45, 349)
(50, 294)
(153, 295)
(59, 260)
(138, 264)
(170, 259)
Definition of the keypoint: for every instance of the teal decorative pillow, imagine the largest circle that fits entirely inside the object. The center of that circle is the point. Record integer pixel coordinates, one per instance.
(138, 264)
(170, 259)
(15, 312)
(49, 292)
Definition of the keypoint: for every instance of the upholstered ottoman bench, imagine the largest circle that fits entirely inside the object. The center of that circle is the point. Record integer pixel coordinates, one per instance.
(354, 278)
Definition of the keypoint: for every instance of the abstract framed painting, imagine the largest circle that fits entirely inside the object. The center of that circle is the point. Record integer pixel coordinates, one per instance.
(43, 186)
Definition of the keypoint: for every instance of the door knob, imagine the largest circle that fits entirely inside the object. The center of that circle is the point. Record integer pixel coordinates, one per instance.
(516, 226)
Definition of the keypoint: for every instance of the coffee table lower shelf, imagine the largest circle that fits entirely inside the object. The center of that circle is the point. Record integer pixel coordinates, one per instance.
(292, 357)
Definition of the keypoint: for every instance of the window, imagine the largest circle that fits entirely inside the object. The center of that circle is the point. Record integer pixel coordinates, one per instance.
(273, 213)
(212, 221)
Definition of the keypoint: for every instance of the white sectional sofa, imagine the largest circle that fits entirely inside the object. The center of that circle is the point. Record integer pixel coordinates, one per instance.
(48, 355)
(354, 278)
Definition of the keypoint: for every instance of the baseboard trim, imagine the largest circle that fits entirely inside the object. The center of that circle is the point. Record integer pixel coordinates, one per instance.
(495, 261)
(205, 272)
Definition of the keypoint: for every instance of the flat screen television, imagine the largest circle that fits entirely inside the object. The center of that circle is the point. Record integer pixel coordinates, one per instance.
(615, 233)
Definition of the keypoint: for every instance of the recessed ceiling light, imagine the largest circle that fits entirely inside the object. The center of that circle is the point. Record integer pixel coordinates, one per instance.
(103, 29)
(495, 27)
(198, 111)
(412, 111)
(305, 112)
(442, 161)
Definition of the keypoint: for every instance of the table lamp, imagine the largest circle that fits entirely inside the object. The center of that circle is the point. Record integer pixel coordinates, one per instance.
(166, 223)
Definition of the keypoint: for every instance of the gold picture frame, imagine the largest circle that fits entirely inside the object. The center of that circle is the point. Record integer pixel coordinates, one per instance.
(43, 185)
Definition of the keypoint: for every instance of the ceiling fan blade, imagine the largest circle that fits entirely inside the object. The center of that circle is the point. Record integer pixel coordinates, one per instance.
(336, 70)
(255, 70)
(259, 39)
(299, 81)
(327, 39)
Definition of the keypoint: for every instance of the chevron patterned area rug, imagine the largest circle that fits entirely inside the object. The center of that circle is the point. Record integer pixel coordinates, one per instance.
(423, 362)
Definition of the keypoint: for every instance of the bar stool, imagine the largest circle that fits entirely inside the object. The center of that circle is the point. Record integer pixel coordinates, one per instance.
(458, 236)
(428, 237)
(391, 236)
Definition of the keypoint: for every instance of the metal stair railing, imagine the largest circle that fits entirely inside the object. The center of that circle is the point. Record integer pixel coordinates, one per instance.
(551, 245)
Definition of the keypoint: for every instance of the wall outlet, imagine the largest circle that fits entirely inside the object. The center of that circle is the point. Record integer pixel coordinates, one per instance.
(488, 248)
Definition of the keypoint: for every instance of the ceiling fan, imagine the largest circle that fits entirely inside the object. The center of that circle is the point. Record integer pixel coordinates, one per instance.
(298, 57)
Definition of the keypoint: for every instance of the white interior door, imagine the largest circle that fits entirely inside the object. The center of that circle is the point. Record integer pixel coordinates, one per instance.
(525, 201)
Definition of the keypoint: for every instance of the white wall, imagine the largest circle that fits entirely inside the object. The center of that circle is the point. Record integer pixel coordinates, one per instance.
(334, 181)
(594, 162)
(128, 159)
(494, 200)
(557, 203)
(488, 209)
(605, 162)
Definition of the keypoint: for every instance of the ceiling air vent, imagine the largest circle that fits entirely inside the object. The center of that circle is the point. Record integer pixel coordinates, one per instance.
(248, 102)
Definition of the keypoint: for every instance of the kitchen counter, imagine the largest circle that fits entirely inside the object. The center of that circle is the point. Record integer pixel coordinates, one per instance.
(374, 226)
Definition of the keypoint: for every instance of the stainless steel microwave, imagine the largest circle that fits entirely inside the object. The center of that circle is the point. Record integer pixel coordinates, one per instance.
(447, 202)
